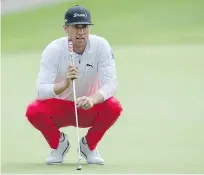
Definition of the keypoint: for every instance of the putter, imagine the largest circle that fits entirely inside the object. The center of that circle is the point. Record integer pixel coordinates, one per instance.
(70, 47)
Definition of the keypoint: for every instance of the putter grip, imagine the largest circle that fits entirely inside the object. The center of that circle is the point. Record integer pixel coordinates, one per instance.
(70, 48)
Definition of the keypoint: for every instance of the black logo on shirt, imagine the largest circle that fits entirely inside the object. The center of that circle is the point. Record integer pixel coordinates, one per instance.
(90, 65)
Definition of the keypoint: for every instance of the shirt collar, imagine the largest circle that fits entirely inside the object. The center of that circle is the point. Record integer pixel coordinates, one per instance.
(88, 48)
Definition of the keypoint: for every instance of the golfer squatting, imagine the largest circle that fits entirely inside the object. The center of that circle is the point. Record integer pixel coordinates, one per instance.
(94, 72)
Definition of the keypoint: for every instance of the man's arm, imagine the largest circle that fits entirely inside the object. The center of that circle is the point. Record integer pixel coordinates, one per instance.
(45, 85)
(60, 87)
(107, 75)
(97, 98)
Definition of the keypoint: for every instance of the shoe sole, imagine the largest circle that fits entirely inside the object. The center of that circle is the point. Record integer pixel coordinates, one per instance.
(65, 152)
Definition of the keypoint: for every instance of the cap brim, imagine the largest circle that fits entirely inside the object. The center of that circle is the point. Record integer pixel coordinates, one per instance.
(75, 23)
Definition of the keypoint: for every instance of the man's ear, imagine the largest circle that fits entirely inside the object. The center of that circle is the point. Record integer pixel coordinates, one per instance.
(65, 28)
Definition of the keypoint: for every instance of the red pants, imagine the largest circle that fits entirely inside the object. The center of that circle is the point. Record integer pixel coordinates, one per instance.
(50, 115)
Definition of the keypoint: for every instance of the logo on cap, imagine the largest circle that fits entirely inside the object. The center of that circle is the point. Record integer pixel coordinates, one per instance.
(80, 15)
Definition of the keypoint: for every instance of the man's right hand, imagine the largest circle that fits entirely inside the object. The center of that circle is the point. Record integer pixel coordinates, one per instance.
(72, 74)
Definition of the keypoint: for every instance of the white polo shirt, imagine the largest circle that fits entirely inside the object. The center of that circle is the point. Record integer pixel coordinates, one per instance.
(96, 69)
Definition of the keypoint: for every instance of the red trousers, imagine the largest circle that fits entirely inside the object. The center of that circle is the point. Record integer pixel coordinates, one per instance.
(50, 115)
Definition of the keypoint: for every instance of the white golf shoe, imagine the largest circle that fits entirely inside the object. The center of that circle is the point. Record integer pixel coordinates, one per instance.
(91, 157)
(57, 155)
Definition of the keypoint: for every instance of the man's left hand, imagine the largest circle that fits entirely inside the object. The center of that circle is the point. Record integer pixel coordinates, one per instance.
(84, 102)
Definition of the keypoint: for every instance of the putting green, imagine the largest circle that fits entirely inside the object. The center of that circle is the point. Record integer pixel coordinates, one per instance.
(159, 51)
(160, 130)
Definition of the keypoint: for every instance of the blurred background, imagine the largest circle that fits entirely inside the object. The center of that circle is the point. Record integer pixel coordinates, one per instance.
(159, 53)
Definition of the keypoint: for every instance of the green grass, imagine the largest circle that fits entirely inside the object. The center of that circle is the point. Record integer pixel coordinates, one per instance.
(159, 51)
(160, 130)
(135, 22)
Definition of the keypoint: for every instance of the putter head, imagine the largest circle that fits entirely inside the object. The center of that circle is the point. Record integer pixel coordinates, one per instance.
(79, 167)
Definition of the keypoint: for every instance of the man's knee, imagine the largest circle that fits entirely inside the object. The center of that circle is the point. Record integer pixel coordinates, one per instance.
(113, 106)
(32, 110)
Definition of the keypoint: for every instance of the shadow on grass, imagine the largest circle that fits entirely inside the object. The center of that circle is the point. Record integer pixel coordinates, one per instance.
(39, 168)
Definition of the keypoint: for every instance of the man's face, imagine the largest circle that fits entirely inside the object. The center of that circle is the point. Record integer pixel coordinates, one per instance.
(78, 33)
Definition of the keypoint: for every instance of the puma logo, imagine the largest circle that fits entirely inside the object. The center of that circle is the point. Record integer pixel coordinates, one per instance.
(91, 65)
